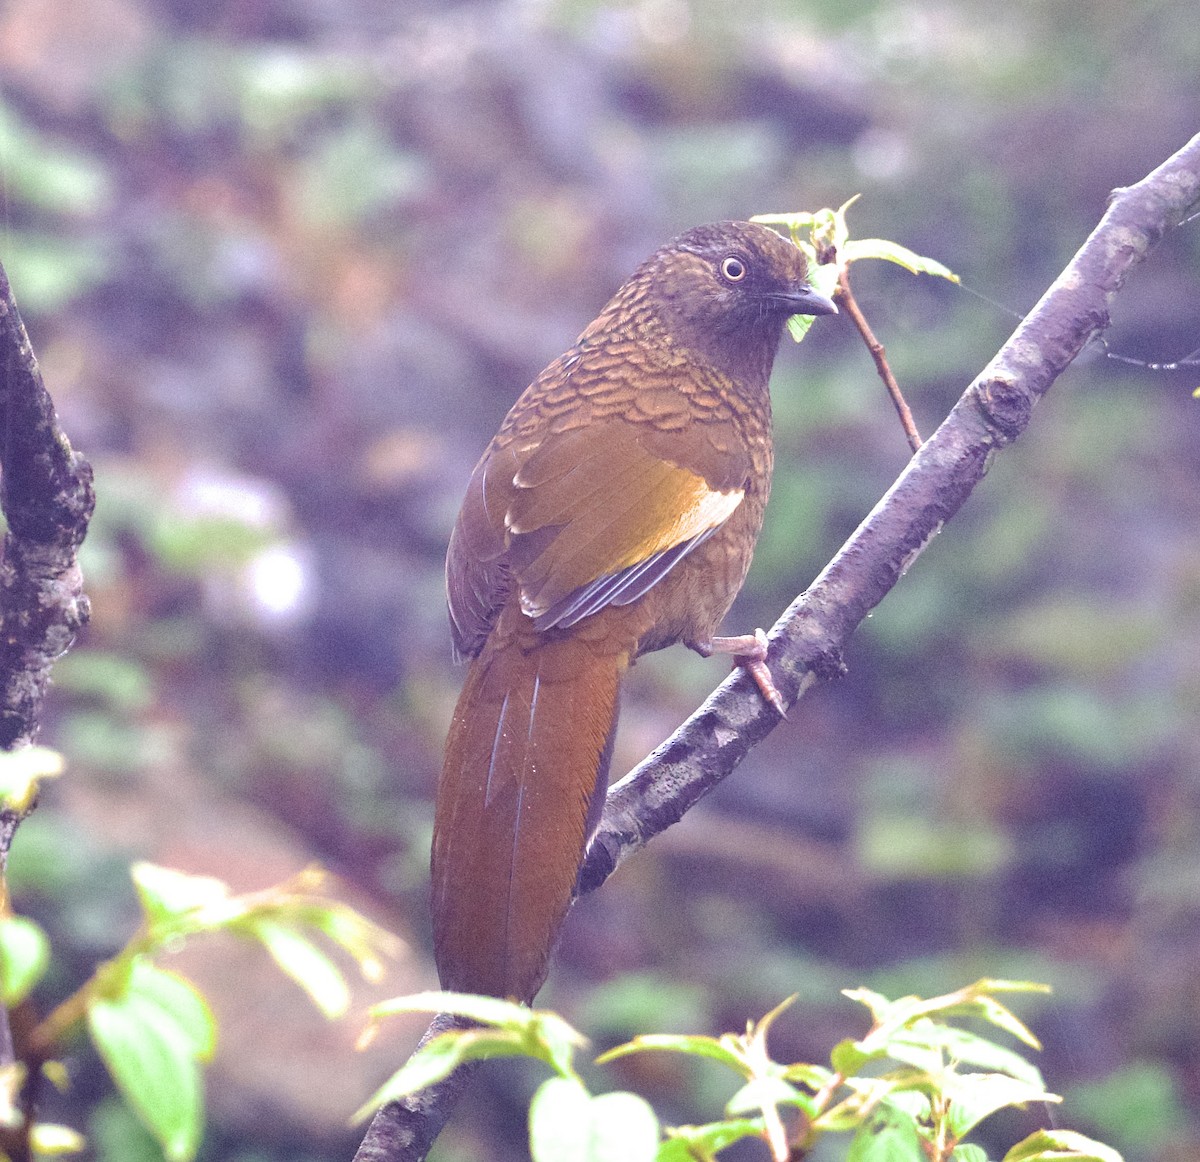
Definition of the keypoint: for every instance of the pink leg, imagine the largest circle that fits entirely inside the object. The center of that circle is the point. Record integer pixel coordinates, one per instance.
(749, 651)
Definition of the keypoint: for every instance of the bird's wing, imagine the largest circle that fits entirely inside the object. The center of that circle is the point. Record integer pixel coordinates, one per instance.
(478, 579)
(585, 518)
(598, 514)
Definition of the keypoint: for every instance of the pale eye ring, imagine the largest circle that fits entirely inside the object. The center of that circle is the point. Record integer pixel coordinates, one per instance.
(733, 268)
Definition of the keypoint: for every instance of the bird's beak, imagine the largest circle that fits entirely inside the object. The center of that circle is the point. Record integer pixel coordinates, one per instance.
(809, 301)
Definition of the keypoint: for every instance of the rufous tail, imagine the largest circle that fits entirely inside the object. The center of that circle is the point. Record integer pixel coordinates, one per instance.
(522, 786)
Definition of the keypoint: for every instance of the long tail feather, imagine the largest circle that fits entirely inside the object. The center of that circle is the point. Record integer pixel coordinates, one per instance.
(524, 777)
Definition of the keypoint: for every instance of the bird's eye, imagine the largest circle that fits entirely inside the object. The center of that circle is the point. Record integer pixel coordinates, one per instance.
(733, 269)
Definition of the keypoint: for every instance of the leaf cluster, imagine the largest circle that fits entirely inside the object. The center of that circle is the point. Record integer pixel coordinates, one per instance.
(824, 236)
(912, 1089)
(152, 1028)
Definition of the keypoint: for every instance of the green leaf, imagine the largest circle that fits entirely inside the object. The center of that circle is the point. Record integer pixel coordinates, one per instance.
(969, 1153)
(991, 1010)
(825, 238)
(793, 223)
(992, 984)
(624, 1127)
(909, 1092)
(305, 963)
(559, 1041)
(181, 1000)
(24, 957)
(567, 1124)
(848, 1057)
(1060, 1146)
(866, 1095)
(816, 1077)
(882, 1009)
(888, 1135)
(689, 1143)
(825, 279)
(927, 1045)
(693, 1046)
(151, 1055)
(116, 1133)
(439, 1058)
(166, 894)
(975, 1096)
(22, 770)
(560, 1121)
(485, 1010)
(535, 1033)
(859, 248)
(762, 1093)
(50, 1141)
(362, 939)
(974, 1000)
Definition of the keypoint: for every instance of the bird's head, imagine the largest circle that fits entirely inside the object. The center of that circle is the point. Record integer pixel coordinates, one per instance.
(726, 290)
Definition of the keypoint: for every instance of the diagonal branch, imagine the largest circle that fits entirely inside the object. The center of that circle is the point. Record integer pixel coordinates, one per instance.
(808, 640)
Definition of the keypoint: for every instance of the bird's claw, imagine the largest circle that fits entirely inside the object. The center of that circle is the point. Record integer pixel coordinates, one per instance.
(750, 652)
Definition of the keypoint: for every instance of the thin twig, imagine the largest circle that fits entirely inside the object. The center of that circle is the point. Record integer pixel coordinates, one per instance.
(849, 304)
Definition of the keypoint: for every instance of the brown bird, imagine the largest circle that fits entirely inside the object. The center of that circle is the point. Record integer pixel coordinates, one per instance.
(614, 513)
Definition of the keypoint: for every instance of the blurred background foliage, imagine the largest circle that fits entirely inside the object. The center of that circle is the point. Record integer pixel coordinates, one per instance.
(287, 263)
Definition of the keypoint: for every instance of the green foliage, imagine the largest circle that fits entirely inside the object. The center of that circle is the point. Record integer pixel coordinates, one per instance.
(567, 1123)
(116, 1134)
(21, 772)
(52, 269)
(151, 1027)
(58, 184)
(910, 1090)
(202, 525)
(51, 1141)
(905, 830)
(54, 178)
(507, 1030)
(113, 680)
(1051, 1145)
(24, 957)
(270, 92)
(887, 1135)
(176, 906)
(825, 239)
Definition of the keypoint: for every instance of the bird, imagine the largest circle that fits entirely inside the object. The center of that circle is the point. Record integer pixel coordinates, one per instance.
(614, 513)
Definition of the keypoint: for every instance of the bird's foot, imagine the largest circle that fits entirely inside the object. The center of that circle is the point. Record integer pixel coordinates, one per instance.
(749, 651)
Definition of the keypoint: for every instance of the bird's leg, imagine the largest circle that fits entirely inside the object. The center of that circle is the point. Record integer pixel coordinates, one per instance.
(749, 651)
